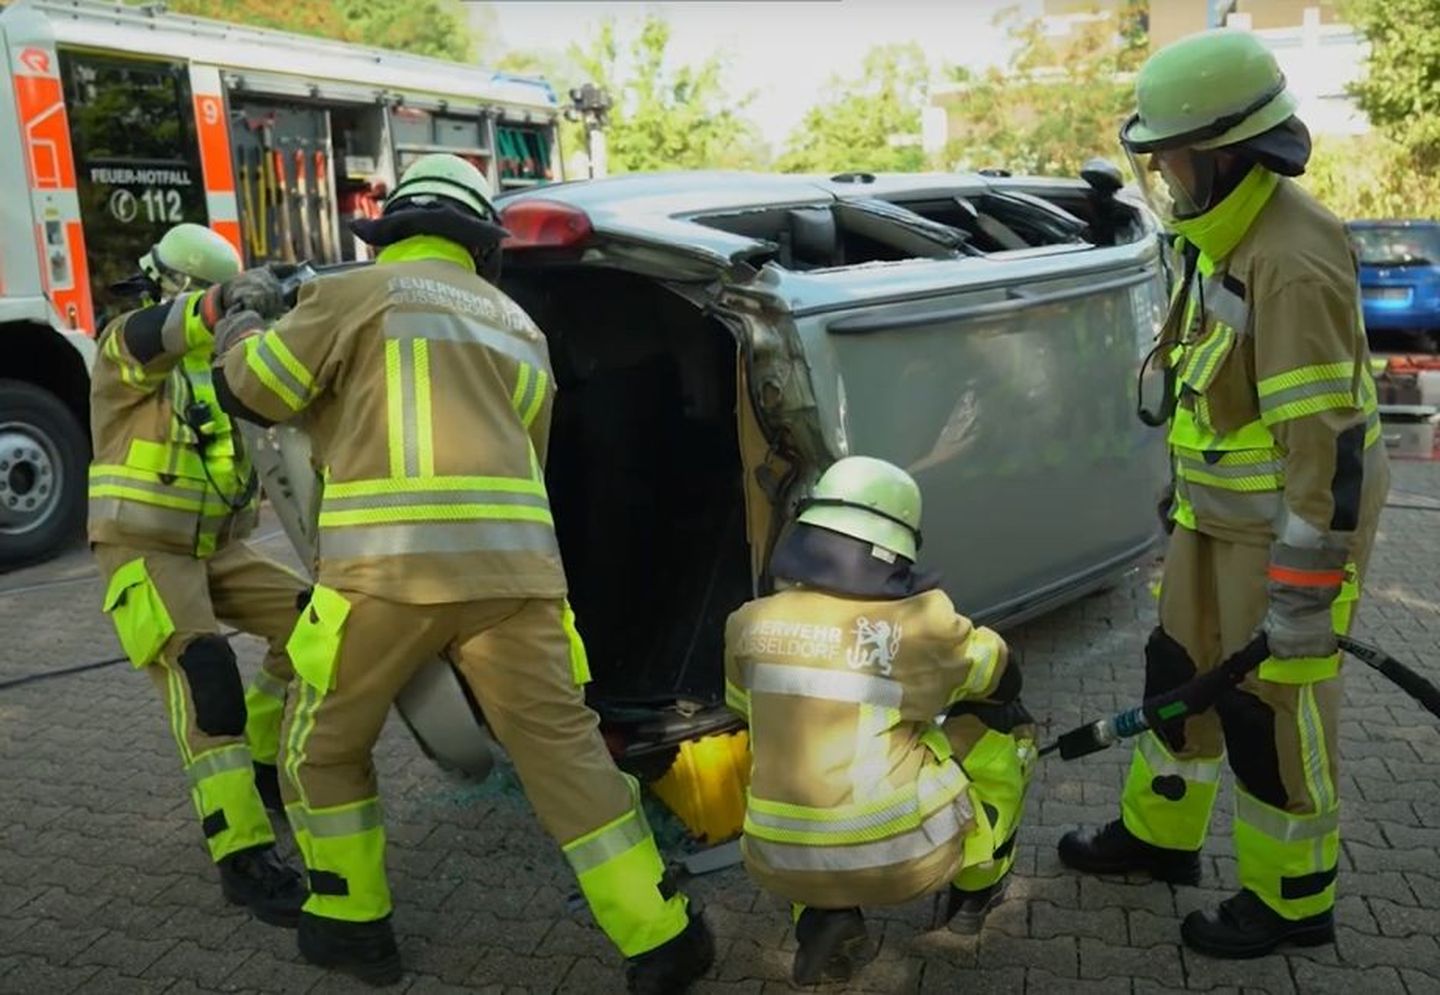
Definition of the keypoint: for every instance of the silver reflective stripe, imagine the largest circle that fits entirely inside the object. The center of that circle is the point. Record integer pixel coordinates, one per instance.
(619, 837)
(1282, 826)
(1339, 385)
(270, 685)
(278, 369)
(1283, 554)
(936, 831)
(1224, 303)
(820, 824)
(346, 822)
(172, 332)
(1203, 361)
(827, 685)
(407, 499)
(437, 327)
(344, 542)
(191, 490)
(409, 416)
(226, 758)
(164, 521)
(1162, 764)
(1218, 504)
(1231, 470)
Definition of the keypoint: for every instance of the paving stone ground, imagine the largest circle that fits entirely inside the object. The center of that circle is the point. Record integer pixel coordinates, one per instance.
(104, 887)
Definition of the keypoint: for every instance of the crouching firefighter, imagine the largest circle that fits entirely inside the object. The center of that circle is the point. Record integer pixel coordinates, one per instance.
(1280, 475)
(858, 795)
(171, 498)
(428, 395)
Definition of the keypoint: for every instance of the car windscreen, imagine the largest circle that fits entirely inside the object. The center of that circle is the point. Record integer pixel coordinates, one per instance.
(1397, 246)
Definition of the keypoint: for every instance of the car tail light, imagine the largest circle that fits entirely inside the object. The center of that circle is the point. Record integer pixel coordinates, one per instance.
(544, 224)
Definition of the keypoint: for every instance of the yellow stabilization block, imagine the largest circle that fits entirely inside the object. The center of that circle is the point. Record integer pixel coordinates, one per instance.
(705, 786)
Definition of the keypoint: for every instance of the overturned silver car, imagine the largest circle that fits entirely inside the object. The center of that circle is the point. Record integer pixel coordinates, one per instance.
(719, 339)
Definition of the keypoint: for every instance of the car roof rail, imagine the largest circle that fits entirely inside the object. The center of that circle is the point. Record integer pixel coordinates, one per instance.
(993, 171)
(853, 178)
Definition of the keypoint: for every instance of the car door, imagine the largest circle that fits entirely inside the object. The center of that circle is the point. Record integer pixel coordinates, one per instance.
(1005, 383)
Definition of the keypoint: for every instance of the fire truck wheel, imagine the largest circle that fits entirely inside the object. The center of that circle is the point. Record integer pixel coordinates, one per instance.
(43, 455)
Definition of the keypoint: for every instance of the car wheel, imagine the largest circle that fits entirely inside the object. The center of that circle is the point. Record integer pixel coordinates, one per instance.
(43, 455)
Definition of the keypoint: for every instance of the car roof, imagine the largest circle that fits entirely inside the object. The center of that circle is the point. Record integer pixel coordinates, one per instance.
(660, 205)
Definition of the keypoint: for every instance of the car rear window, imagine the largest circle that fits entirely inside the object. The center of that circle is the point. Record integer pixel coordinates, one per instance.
(1397, 246)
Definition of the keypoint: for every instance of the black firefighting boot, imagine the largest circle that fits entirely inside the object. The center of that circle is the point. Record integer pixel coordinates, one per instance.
(267, 784)
(258, 879)
(965, 911)
(363, 950)
(1244, 926)
(673, 965)
(834, 945)
(1113, 849)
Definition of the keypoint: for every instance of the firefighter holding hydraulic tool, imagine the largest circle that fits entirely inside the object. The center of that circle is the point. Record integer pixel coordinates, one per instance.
(428, 394)
(1280, 477)
(171, 497)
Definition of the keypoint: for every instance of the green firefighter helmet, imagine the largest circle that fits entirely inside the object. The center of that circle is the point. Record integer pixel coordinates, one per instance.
(442, 174)
(1206, 91)
(189, 255)
(868, 499)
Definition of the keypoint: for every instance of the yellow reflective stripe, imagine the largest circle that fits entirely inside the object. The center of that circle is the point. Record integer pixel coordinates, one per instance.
(1233, 457)
(1313, 753)
(259, 365)
(402, 485)
(982, 655)
(218, 761)
(145, 497)
(1250, 484)
(579, 659)
(899, 812)
(939, 829)
(1308, 406)
(144, 475)
(177, 712)
(1302, 375)
(436, 513)
(424, 426)
(522, 382)
(274, 344)
(737, 698)
(395, 408)
(537, 398)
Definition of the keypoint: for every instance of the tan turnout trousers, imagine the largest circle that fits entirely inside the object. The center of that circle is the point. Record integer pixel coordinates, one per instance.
(167, 608)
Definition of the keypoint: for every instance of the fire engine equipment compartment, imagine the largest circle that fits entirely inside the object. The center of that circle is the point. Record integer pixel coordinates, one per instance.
(645, 479)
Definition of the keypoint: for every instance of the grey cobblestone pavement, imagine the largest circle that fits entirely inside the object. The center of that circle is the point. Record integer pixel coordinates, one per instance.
(105, 888)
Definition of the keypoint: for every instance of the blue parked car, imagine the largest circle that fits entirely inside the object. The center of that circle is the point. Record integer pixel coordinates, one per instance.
(1399, 274)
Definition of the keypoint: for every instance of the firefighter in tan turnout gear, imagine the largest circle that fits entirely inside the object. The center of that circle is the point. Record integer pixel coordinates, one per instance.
(858, 795)
(171, 496)
(1280, 477)
(428, 394)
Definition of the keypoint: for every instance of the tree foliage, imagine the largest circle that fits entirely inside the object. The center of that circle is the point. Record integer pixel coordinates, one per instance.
(1401, 89)
(664, 115)
(873, 121)
(437, 28)
(1055, 103)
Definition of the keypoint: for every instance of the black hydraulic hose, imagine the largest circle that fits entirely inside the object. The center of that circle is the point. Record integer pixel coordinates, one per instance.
(1200, 693)
(1417, 687)
(1190, 698)
(79, 668)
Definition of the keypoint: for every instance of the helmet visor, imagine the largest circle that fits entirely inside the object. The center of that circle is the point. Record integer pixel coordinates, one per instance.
(1176, 184)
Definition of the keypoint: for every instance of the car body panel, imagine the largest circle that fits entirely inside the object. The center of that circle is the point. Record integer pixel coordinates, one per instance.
(1399, 274)
(1004, 382)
